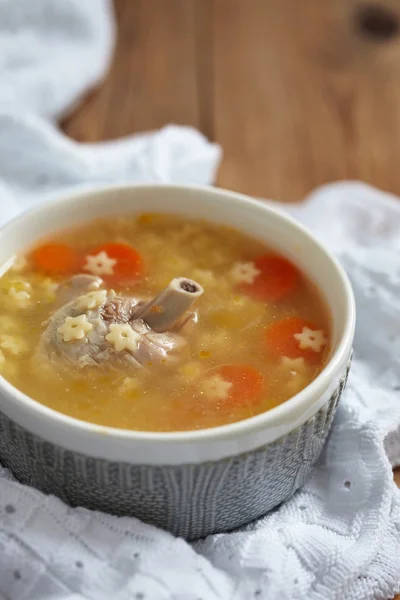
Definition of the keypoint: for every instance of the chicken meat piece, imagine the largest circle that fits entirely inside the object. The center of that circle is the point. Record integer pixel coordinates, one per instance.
(77, 286)
(158, 324)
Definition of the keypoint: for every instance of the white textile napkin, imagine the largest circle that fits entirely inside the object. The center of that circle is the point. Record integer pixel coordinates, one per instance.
(339, 536)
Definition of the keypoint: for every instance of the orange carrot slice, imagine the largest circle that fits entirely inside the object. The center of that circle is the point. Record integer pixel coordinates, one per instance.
(247, 383)
(277, 278)
(56, 259)
(129, 265)
(280, 340)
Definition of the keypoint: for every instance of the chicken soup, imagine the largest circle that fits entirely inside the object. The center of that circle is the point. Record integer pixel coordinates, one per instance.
(159, 323)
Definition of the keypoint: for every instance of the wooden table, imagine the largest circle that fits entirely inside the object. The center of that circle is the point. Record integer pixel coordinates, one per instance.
(298, 93)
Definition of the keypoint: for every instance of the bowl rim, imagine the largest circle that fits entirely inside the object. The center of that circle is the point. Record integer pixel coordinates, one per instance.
(229, 431)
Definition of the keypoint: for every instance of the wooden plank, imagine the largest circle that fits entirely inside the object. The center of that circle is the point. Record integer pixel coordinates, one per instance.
(152, 81)
(205, 65)
(305, 93)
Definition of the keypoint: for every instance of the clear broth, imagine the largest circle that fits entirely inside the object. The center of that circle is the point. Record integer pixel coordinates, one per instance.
(231, 330)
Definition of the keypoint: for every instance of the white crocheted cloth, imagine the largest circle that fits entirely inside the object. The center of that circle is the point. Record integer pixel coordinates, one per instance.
(339, 537)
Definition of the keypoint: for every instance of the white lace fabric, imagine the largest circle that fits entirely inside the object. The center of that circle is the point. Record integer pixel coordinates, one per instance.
(338, 538)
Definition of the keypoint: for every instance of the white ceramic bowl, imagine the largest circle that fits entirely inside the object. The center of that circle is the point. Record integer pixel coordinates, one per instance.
(198, 482)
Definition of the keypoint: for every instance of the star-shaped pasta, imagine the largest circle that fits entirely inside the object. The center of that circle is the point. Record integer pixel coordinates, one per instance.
(308, 338)
(244, 272)
(49, 287)
(216, 388)
(21, 285)
(75, 328)
(13, 344)
(130, 386)
(293, 365)
(100, 264)
(93, 299)
(123, 337)
(20, 298)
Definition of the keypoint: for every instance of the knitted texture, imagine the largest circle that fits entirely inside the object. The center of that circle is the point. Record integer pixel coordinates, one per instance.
(189, 500)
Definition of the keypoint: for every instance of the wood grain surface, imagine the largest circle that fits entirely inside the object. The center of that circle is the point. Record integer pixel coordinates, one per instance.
(298, 93)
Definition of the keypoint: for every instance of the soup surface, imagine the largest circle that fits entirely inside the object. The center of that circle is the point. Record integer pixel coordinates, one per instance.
(85, 330)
